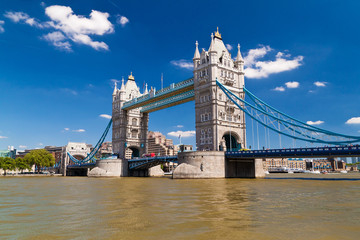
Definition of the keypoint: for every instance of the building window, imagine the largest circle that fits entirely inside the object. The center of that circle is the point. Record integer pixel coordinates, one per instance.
(134, 122)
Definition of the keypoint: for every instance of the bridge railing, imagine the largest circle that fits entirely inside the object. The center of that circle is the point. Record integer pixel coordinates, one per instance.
(171, 88)
(173, 99)
(293, 151)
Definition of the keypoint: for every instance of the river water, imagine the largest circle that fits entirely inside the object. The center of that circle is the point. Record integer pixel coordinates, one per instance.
(162, 208)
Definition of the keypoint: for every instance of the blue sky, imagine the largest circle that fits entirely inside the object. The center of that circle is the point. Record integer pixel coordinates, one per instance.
(57, 68)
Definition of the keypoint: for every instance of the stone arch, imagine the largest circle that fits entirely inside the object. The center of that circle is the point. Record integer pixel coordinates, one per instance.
(232, 141)
(133, 151)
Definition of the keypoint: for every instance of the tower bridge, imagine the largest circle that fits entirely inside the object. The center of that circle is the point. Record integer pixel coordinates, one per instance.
(219, 92)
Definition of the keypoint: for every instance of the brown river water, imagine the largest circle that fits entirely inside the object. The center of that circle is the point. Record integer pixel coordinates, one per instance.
(162, 208)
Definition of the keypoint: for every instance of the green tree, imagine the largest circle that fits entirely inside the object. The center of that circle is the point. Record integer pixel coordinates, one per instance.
(7, 164)
(41, 158)
(22, 164)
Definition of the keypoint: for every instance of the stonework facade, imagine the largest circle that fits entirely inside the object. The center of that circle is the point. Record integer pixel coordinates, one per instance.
(219, 123)
(158, 144)
(129, 127)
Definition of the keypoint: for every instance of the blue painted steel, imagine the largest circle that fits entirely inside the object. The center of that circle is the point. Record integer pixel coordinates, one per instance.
(161, 92)
(312, 139)
(91, 164)
(309, 127)
(90, 157)
(168, 101)
(339, 151)
(142, 163)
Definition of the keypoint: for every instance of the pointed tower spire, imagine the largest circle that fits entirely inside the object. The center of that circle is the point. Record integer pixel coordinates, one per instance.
(196, 54)
(239, 58)
(211, 48)
(146, 90)
(115, 90)
(122, 85)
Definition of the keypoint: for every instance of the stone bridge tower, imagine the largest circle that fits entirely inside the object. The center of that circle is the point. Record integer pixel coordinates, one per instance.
(129, 131)
(220, 125)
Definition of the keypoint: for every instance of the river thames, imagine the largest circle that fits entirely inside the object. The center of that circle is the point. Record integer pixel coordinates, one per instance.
(162, 208)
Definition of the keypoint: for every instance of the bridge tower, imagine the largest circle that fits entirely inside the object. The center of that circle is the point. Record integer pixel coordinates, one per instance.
(219, 123)
(129, 135)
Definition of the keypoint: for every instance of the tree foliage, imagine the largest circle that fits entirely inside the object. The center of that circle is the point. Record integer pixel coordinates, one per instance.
(7, 163)
(41, 158)
(22, 164)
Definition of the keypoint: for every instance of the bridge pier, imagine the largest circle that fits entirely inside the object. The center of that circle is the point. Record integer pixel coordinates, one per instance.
(214, 164)
(110, 168)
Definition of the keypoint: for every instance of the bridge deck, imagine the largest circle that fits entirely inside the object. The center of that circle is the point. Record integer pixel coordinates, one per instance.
(143, 163)
(346, 151)
(172, 90)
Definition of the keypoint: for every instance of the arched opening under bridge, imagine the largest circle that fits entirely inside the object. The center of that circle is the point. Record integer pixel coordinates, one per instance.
(132, 152)
(232, 141)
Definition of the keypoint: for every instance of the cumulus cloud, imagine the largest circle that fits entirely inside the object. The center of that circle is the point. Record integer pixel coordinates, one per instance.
(183, 134)
(69, 26)
(262, 69)
(353, 120)
(21, 17)
(122, 20)
(229, 47)
(315, 123)
(320, 84)
(3, 137)
(292, 84)
(2, 26)
(66, 129)
(105, 116)
(58, 40)
(79, 130)
(78, 28)
(182, 63)
(22, 146)
(279, 89)
(179, 126)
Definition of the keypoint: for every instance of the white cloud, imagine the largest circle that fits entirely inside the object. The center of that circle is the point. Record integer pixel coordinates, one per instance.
(21, 17)
(105, 116)
(320, 84)
(292, 84)
(79, 130)
(66, 129)
(22, 146)
(122, 20)
(229, 47)
(78, 28)
(2, 26)
(183, 134)
(255, 54)
(69, 26)
(58, 40)
(182, 63)
(280, 89)
(3, 137)
(262, 69)
(354, 120)
(315, 123)
(179, 126)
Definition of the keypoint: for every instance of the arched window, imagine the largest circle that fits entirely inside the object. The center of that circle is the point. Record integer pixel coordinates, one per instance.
(134, 122)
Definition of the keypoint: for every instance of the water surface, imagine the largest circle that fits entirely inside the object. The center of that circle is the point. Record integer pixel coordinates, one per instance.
(162, 208)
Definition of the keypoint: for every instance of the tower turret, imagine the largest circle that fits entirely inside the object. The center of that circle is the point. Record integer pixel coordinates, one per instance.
(239, 62)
